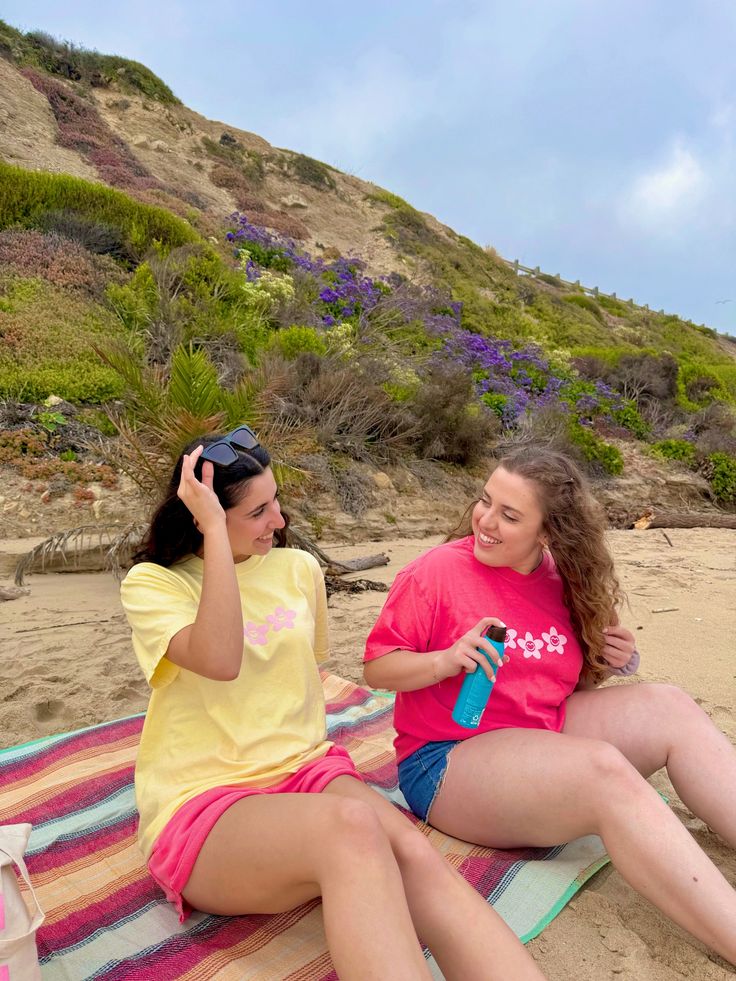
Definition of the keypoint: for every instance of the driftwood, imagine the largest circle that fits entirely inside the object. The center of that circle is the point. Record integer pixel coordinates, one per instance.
(12, 592)
(78, 549)
(333, 584)
(333, 567)
(681, 519)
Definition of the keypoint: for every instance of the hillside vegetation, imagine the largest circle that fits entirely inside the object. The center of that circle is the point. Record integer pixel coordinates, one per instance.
(172, 276)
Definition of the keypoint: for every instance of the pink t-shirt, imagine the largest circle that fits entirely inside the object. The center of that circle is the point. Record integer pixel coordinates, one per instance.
(443, 594)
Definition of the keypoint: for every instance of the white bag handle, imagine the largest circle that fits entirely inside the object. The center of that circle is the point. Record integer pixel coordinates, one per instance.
(13, 841)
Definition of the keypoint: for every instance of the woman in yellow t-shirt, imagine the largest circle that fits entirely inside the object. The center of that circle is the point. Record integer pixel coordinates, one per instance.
(245, 805)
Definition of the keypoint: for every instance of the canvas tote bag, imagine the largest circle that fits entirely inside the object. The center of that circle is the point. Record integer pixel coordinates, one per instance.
(18, 955)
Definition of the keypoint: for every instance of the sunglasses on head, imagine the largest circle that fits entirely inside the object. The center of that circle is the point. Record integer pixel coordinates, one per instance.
(225, 450)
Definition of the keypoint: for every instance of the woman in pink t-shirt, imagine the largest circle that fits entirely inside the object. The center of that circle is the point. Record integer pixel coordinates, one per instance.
(554, 757)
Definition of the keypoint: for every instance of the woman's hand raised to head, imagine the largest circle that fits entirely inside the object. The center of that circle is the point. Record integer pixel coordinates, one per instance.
(619, 646)
(464, 654)
(198, 495)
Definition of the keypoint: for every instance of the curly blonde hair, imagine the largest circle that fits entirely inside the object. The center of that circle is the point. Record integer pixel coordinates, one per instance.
(574, 527)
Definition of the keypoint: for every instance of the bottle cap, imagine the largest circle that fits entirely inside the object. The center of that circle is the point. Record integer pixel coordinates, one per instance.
(496, 633)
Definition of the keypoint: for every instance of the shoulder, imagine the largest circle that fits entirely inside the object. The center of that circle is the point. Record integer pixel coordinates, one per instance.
(438, 562)
(150, 575)
(454, 553)
(295, 561)
(147, 572)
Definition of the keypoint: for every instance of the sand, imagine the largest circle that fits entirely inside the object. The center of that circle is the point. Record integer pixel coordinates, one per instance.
(66, 662)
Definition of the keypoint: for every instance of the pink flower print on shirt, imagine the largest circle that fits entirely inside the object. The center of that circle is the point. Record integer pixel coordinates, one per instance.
(555, 642)
(531, 646)
(511, 636)
(282, 619)
(255, 633)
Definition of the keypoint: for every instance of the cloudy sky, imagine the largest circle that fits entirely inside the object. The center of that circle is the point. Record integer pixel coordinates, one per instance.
(596, 139)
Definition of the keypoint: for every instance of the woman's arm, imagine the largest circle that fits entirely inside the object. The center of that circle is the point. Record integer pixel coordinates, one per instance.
(620, 654)
(409, 671)
(213, 645)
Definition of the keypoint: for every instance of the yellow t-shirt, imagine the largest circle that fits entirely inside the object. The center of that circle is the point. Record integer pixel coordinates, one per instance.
(255, 730)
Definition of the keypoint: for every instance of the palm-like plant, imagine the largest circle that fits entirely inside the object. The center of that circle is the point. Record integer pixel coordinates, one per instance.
(162, 411)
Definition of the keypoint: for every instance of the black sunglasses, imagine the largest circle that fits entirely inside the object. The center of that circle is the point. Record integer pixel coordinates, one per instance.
(224, 451)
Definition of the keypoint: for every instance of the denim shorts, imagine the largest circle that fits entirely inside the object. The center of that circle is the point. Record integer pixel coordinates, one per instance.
(422, 773)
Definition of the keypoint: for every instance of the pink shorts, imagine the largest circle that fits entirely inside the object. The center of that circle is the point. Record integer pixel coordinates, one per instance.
(179, 844)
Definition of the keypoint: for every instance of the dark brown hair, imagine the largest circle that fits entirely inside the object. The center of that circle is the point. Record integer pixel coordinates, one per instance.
(172, 534)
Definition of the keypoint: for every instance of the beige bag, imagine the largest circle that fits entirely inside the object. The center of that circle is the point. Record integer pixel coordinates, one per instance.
(18, 955)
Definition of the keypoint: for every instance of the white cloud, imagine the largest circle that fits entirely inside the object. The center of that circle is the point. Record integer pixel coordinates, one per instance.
(667, 194)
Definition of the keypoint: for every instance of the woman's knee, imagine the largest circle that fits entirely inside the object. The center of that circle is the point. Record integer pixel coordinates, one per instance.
(670, 702)
(607, 770)
(355, 825)
(415, 854)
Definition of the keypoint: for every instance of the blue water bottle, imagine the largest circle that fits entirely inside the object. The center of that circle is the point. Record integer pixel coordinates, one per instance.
(477, 687)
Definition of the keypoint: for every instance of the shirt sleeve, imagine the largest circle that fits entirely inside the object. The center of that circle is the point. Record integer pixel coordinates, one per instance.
(158, 605)
(631, 666)
(321, 632)
(404, 623)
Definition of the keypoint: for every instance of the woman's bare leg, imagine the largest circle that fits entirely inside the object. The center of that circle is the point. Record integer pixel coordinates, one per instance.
(530, 787)
(468, 938)
(660, 725)
(269, 853)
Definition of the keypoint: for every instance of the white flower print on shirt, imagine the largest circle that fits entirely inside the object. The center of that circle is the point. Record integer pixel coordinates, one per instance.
(555, 642)
(511, 636)
(531, 646)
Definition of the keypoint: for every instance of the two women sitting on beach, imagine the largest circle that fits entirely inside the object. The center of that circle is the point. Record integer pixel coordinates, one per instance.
(246, 807)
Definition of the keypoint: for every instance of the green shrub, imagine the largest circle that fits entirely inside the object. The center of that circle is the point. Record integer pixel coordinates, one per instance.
(310, 171)
(98, 419)
(80, 64)
(48, 335)
(722, 475)
(585, 303)
(726, 375)
(568, 324)
(599, 454)
(82, 381)
(25, 197)
(401, 392)
(628, 417)
(616, 307)
(247, 163)
(676, 449)
(392, 200)
(698, 385)
(609, 356)
(293, 341)
(550, 280)
(403, 224)
(495, 402)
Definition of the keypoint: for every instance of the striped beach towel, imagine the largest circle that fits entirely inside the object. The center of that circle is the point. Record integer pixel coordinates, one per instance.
(106, 918)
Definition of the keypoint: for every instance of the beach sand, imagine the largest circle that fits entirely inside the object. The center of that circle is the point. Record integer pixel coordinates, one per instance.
(66, 662)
